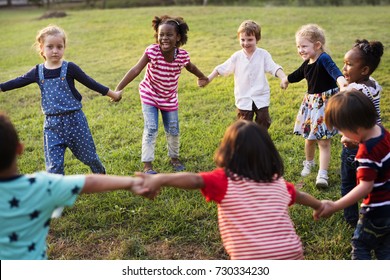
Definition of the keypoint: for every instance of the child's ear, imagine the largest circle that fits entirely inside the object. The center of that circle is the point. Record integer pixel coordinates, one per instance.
(19, 149)
(318, 45)
(365, 70)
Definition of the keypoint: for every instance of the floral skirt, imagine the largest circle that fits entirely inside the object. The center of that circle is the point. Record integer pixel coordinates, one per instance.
(310, 119)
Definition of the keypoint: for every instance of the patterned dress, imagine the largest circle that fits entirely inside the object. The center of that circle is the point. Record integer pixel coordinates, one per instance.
(321, 79)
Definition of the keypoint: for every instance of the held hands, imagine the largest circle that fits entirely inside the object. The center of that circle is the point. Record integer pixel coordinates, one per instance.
(325, 211)
(151, 184)
(115, 96)
(136, 187)
(284, 83)
(349, 143)
(202, 82)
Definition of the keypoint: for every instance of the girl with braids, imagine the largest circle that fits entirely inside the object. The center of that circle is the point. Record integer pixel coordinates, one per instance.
(158, 89)
(359, 63)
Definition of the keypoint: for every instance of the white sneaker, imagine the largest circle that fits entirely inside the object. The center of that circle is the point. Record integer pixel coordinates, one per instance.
(322, 182)
(307, 165)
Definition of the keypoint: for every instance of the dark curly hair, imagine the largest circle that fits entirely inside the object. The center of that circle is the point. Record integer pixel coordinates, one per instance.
(370, 53)
(180, 25)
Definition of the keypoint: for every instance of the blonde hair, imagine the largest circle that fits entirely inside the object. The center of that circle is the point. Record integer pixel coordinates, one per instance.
(250, 27)
(50, 30)
(313, 33)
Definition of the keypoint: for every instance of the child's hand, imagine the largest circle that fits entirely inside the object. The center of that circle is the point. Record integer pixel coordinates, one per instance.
(137, 186)
(150, 185)
(327, 209)
(317, 211)
(284, 83)
(116, 96)
(349, 143)
(202, 82)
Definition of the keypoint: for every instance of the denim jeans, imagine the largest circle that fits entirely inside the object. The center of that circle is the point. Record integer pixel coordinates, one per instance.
(348, 182)
(171, 127)
(371, 234)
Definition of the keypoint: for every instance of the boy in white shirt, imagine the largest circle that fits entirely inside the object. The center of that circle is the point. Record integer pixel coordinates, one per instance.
(249, 65)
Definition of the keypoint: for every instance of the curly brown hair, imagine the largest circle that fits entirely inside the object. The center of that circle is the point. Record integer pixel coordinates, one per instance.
(180, 25)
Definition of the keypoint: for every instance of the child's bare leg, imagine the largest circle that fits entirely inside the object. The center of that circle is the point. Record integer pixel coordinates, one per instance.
(324, 156)
(310, 147)
(324, 147)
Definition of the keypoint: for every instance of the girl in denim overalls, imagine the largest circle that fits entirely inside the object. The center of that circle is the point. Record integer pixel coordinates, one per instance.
(65, 125)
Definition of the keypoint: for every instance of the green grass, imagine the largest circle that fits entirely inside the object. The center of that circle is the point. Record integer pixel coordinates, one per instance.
(178, 224)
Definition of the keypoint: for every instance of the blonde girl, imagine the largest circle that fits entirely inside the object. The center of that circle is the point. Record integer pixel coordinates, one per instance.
(322, 76)
(65, 125)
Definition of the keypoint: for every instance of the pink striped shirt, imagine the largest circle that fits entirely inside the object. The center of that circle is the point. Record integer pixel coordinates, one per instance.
(253, 217)
(159, 86)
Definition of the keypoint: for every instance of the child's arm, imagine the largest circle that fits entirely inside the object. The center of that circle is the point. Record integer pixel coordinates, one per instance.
(182, 180)
(308, 200)
(280, 74)
(213, 75)
(357, 193)
(202, 79)
(133, 72)
(342, 82)
(95, 183)
(284, 82)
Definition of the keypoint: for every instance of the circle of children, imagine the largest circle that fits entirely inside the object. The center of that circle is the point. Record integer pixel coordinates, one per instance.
(249, 169)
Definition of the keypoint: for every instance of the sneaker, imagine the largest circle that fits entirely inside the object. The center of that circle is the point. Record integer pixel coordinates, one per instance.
(177, 166)
(307, 165)
(150, 171)
(322, 182)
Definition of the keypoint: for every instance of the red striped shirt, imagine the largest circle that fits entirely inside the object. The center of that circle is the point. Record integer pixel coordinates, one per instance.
(160, 84)
(373, 158)
(253, 217)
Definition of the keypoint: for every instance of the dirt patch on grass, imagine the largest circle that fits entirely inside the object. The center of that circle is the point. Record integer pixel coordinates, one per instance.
(53, 14)
(165, 250)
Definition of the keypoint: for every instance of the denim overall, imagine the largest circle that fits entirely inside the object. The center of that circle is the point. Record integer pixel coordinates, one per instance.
(65, 125)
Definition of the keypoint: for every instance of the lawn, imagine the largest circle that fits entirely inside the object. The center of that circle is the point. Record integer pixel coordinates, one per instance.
(178, 224)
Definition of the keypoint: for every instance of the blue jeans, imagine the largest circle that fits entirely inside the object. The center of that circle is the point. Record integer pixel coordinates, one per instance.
(371, 234)
(171, 127)
(348, 182)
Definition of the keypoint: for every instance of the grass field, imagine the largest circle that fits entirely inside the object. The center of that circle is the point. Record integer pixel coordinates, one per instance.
(178, 224)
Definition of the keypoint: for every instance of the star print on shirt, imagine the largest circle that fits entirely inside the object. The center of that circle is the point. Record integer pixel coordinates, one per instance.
(35, 214)
(13, 237)
(47, 223)
(31, 247)
(14, 202)
(32, 180)
(75, 190)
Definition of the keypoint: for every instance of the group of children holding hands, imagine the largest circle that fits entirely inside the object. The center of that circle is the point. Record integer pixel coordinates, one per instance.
(249, 168)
